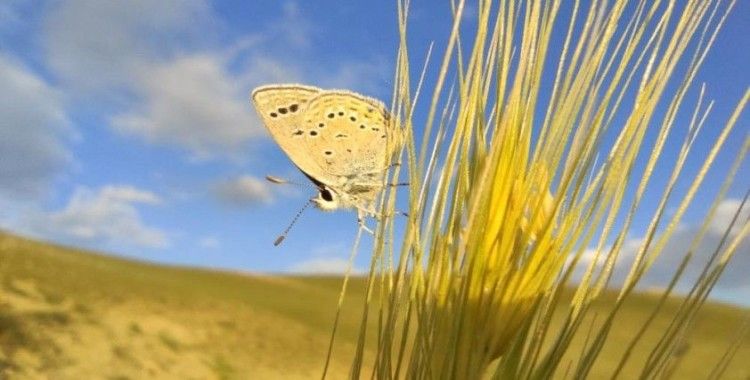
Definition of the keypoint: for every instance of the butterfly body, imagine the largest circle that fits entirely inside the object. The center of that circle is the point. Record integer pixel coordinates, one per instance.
(342, 141)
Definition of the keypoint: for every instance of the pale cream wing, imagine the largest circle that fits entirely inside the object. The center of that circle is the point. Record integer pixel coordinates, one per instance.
(280, 107)
(350, 135)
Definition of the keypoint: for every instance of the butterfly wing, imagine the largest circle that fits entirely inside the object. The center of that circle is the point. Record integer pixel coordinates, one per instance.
(281, 108)
(350, 136)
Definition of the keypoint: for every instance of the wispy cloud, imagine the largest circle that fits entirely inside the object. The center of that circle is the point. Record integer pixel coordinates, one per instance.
(173, 84)
(326, 259)
(94, 47)
(364, 76)
(34, 131)
(244, 190)
(191, 102)
(733, 280)
(293, 26)
(107, 216)
(209, 242)
(155, 62)
(323, 265)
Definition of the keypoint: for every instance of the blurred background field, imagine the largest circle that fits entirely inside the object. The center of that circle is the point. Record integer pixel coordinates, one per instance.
(70, 314)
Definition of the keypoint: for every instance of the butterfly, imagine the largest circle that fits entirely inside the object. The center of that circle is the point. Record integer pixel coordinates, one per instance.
(342, 141)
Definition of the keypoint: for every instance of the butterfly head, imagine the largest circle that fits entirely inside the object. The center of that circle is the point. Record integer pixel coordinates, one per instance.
(326, 200)
(334, 198)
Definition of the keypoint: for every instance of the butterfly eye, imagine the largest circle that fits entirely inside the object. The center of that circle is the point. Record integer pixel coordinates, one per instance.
(327, 196)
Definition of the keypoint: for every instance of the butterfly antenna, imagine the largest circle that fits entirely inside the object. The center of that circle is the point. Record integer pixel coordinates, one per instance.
(286, 231)
(281, 181)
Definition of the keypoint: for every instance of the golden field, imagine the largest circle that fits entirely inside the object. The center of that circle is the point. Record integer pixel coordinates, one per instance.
(70, 314)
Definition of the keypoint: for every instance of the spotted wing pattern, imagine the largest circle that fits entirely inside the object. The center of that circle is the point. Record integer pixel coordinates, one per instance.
(349, 135)
(281, 108)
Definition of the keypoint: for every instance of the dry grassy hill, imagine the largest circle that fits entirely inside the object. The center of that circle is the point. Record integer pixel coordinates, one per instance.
(69, 314)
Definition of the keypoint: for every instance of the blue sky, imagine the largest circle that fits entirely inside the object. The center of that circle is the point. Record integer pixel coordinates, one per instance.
(127, 126)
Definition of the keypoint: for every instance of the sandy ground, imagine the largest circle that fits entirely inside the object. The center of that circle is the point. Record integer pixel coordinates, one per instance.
(64, 340)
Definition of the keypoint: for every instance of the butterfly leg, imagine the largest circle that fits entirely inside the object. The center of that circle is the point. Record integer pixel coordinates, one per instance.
(379, 184)
(379, 216)
(361, 214)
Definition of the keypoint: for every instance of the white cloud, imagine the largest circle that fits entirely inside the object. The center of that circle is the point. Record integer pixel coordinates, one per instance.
(293, 27)
(152, 58)
(263, 69)
(209, 242)
(161, 61)
(94, 45)
(327, 259)
(244, 190)
(33, 131)
(363, 76)
(106, 217)
(733, 281)
(180, 92)
(191, 102)
(129, 194)
(330, 265)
